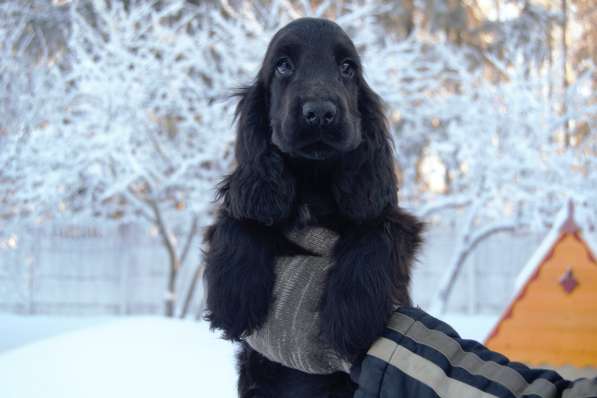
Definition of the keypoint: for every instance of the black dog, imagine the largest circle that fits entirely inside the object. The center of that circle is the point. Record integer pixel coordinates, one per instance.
(312, 148)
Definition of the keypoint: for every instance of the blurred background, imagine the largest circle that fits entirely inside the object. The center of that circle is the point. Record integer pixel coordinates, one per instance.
(116, 125)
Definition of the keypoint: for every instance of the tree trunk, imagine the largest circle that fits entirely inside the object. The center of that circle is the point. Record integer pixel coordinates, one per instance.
(191, 292)
(565, 82)
(174, 261)
(170, 298)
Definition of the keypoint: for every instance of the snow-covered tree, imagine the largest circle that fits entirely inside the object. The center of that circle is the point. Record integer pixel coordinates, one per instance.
(141, 131)
(129, 119)
(502, 161)
(31, 85)
(138, 123)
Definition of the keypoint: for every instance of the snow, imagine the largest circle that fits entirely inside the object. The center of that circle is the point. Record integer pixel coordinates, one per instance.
(130, 123)
(18, 330)
(551, 238)
(136, 357)
(129, 357)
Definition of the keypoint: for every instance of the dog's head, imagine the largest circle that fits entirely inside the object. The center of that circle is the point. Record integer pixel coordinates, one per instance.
(312, 73)
(310, 101)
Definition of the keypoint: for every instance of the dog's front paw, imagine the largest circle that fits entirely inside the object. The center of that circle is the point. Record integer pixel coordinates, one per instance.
(351, 322)
(238, 316)
(239, 275)
(358, 297)
(238, 298)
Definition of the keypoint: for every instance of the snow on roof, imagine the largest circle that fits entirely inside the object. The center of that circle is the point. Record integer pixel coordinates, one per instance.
(545, 323)
(565, 221)
(542, 251)
(589, 233)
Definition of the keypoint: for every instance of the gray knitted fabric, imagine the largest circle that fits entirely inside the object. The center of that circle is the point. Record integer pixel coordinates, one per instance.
(290, 335)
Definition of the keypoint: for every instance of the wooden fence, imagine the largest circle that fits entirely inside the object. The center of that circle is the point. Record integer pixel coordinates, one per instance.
(122, 270)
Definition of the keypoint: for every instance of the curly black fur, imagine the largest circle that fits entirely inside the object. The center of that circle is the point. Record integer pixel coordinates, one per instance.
(260, 378)
(348, 186)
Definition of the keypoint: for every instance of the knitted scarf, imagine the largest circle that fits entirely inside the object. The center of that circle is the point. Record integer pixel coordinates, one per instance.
(290, 335)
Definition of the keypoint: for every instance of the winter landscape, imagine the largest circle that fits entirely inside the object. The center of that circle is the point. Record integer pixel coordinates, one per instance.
(116, 124)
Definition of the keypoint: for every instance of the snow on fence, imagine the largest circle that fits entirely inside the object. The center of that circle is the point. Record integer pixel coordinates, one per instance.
(123, 270)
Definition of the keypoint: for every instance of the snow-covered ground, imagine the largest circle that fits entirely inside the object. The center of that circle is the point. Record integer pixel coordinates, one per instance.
(16, 330)
(129, 357)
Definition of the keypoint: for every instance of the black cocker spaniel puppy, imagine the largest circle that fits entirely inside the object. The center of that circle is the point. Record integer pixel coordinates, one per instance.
(313, 148)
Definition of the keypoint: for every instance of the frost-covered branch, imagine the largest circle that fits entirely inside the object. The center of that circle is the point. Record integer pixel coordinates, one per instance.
(466, 245)
(127, 118)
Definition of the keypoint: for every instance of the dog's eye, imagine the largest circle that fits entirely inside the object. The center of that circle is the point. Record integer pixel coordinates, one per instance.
(347, 69)
(284, 67)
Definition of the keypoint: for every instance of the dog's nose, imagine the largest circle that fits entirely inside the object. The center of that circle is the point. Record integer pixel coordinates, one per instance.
(319, 113)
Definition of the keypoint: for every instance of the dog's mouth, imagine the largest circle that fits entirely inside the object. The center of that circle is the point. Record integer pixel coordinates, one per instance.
(317, 151)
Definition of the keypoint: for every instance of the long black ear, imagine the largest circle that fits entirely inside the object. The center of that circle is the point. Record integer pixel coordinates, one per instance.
(260, 188)
(366, 182)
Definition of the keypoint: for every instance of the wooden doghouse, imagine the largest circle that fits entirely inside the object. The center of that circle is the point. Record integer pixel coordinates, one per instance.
(552, 319)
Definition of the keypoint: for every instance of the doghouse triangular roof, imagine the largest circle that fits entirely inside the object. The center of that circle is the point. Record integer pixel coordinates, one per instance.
(552, 319)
